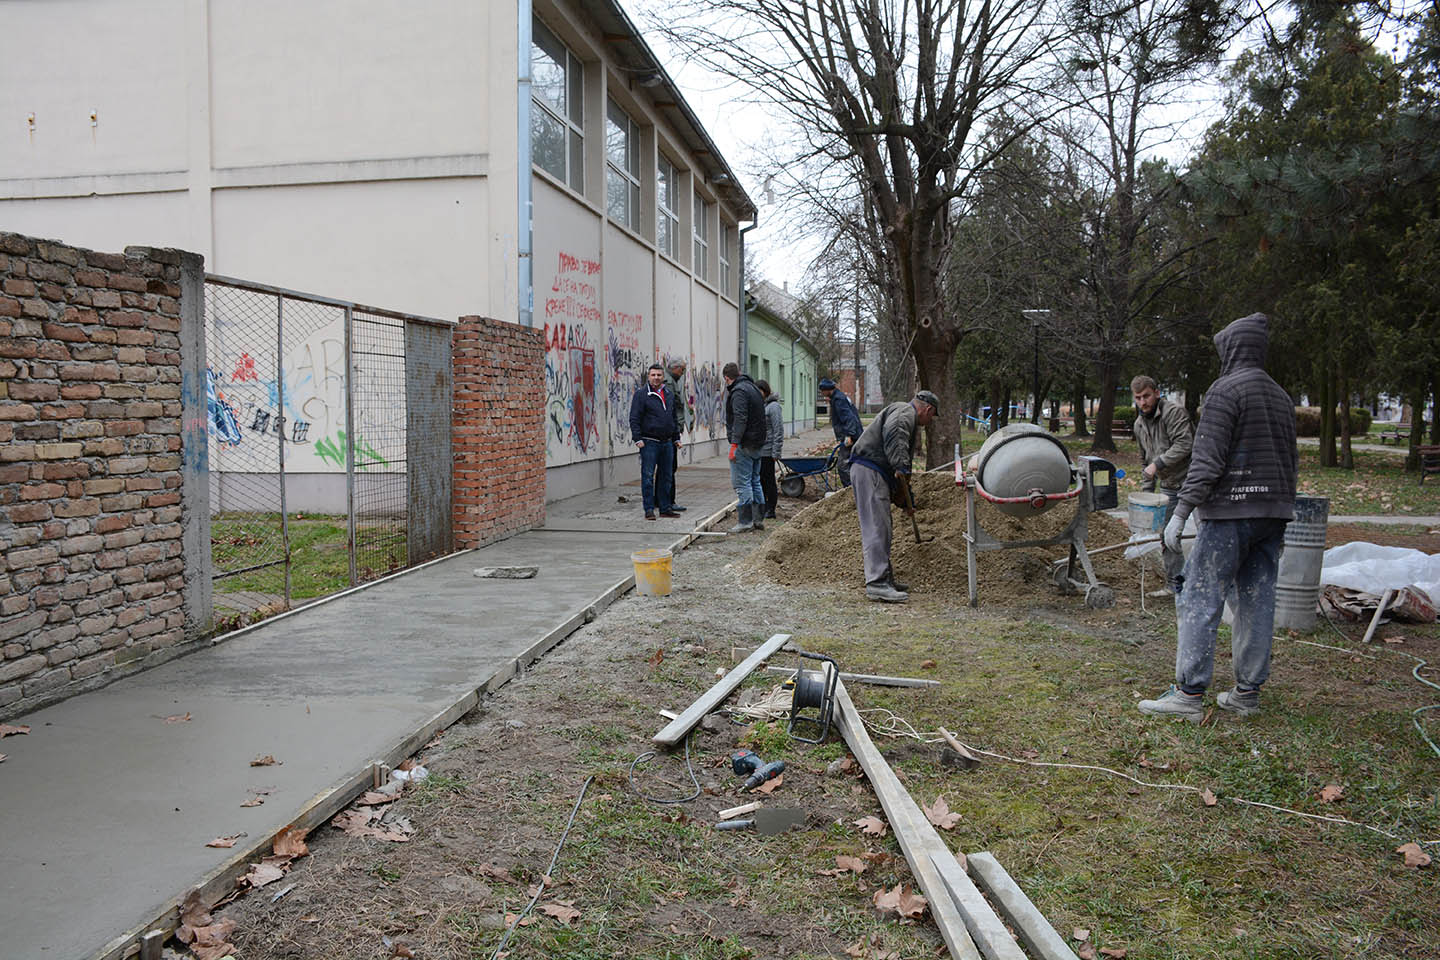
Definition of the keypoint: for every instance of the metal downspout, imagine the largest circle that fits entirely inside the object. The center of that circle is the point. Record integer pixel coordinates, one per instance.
(794, 432)
(524, 239)
(744, 314)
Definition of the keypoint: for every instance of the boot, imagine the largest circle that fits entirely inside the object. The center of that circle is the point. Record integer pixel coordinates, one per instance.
(883, 592)
(746, 524)
(757, 516)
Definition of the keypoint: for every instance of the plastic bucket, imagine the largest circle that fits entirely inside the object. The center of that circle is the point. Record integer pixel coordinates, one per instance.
(652, 572)
(1146, 512)
(1297, 589)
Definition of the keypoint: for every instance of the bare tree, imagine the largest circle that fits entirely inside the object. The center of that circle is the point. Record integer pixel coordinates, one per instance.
(891, 100)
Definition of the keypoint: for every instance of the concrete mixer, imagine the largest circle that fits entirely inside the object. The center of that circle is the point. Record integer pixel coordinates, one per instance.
(1024, 471)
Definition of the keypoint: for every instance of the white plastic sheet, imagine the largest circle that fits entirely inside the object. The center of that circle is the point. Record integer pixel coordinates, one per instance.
(1375, 569)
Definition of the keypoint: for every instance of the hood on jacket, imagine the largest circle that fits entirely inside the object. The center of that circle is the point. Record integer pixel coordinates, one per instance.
(1243, 343)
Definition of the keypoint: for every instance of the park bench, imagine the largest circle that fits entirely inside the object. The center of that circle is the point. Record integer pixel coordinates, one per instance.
(1429, 461)
(1400, 433)
(1122, 427)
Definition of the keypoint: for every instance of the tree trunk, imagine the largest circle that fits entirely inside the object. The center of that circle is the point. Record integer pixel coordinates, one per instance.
(1079, 408)
(1327, 418)
(995, 395)
(1109, 380)
(935, 367)
(1347, 458)
(1005, 408)
(1434, 411)
(1054, 414)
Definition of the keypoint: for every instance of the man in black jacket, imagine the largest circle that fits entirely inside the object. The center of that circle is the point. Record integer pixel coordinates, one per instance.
(655, 428)
(1241, 486)
(745, 431)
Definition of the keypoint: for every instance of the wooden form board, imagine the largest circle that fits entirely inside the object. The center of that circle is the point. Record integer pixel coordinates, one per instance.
(1034, 930)
(985, 928)
(918, 839)
(675, 731)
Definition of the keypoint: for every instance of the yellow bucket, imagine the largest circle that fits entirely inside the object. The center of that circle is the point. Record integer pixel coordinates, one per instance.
(652, 572)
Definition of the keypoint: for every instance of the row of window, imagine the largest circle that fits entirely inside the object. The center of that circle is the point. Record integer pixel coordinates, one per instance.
(557, 146)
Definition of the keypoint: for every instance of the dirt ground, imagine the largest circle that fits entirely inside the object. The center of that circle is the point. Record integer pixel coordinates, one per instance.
(1031, 675)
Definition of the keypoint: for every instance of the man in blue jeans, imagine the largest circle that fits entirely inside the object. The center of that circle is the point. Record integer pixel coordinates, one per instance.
(745, 430)
(1241, 486)
(654, 426)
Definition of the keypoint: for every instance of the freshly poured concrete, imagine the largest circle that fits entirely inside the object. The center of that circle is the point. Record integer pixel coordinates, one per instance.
(105, 809)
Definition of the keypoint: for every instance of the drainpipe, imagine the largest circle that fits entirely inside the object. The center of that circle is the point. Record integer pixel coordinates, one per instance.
(743, 359)
(524, 237)
(793, 432)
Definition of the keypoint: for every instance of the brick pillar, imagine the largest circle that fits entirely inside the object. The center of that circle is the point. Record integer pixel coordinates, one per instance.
(499, 430)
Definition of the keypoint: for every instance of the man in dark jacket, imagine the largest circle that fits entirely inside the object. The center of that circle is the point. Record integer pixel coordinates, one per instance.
(882, 456)
(845, 421)
(655, 428)
(745, 432)
(1241, 486)
(675, 381)
(1164, 434)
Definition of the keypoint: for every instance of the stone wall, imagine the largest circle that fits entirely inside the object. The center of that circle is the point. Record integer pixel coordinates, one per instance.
(499, 430)
(92, 574)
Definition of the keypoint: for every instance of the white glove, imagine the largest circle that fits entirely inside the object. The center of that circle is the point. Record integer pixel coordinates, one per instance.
(1171, 536)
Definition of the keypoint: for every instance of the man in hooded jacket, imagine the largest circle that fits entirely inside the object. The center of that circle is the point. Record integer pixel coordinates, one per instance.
(1241, 487)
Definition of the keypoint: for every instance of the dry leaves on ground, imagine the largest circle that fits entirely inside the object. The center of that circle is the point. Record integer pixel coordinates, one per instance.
(868, 949)
(11, 730)
(265, 761)
(357, 822)
(225, 841)
(291, 842)
(1115, 953)
(178, 718)
(1209, 798)
(939, 813)
(1030, 754)
(496, 873)
(562, 910)
(265, 872)
(1331, 793)
(656, 657)
(770, 786)
(1414, 856)
(512, 920)
(208, 941)
(254, 801)
(846, 864)
(1086, 951)
(873, 826)
(902, 901)
(928, 665)
(1080, 933)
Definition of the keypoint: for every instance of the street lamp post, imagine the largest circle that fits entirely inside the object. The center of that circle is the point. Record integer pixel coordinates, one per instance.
(1035, 316)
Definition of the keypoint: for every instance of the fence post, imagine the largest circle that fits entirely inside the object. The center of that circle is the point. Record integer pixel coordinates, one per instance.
(280, 436)
(350, 437)
(198, 596)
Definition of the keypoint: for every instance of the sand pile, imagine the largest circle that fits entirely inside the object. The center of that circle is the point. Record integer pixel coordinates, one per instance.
(822, 545)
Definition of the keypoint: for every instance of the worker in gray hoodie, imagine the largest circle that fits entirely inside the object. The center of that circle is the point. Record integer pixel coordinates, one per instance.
(1164, 435)
(1241, 487)
(770, 453)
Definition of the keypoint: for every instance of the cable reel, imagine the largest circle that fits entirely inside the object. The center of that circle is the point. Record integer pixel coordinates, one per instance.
(813, 690)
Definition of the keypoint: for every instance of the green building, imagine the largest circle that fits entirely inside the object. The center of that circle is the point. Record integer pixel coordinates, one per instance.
(780, 354)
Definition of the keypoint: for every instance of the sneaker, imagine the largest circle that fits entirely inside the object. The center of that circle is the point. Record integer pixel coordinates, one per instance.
(885, 593)
(1245, 703)
(669, 514)
(649, 514)
(1176, 703)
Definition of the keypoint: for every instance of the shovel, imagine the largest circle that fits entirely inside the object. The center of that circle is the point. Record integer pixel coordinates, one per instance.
(767, 821)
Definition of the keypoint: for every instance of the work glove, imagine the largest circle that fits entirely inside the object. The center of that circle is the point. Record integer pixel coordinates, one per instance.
(904, 497)
(733, 446)
(1171, 536)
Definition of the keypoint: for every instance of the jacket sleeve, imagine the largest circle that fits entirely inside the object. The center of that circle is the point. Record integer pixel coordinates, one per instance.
(1210, 454)
(898, 431)
(637, 406)
(850, 421)
(1177, 426)
(743, 413)
(677, 412)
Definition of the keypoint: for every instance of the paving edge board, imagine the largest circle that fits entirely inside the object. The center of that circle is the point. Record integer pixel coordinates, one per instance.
(1039, 937)
(324, 805)
(985, 927)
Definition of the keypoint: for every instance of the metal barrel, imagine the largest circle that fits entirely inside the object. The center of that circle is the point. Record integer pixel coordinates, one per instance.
(1297, 589)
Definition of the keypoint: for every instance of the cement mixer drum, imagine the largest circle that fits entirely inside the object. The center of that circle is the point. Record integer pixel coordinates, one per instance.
(1019, 458)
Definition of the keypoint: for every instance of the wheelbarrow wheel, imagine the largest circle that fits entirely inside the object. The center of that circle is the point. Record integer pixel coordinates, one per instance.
(793, 486)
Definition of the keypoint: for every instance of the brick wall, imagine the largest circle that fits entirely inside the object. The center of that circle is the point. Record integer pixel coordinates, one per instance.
(92, 574)
(499, 430)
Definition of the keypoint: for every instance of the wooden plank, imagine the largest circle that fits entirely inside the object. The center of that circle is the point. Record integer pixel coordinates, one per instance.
(878, 681)
(917, 838)
(985, 928)
(736, 811)
(1375, 620)
(1035, 931)
(675, 731)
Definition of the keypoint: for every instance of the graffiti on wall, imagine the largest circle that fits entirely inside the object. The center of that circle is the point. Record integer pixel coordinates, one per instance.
(624, 372)
(709, 392)
(572, 304)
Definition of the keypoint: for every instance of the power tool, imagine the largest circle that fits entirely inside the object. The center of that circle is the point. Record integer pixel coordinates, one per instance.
(749, 762)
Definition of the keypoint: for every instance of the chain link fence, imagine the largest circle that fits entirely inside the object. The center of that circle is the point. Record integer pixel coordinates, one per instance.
(312, 403)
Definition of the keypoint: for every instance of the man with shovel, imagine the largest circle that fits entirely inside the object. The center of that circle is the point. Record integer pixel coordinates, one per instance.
(883, 453)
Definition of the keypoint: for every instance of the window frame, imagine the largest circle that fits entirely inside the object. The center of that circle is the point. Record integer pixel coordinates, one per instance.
(724, 256)
(667, 242)
(700, 234)
(573, 120)
(629, 177)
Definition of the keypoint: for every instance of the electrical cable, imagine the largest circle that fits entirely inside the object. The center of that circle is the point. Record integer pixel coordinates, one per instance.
(1419, 664)
(650, 755)
(550, 871)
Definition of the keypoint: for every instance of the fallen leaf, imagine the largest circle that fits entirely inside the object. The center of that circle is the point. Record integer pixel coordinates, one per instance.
(1414, 856)
(939, 814)
(928, 665)
(1208, 797)
(854, 864)
(291, 842)
(265, 761)
(656, 657)
(403, 951)
(1116, 953)
(771, 785)
(224, 841)
(266, 871)
(902, 900)
(371, 798)
(560, 912)
(874, 826)
(10, 730)
(254, 801)
(510, 921)
(178, 718)
(960, 859)
(1030, 754)
(496, 873)
(310, 919)
(1080, 933)
(1086, 951)
(2, 758)
(1331, 793)
(1144, 760)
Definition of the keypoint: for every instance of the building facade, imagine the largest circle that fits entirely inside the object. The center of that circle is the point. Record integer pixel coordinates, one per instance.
(525, 162)
(780, 354)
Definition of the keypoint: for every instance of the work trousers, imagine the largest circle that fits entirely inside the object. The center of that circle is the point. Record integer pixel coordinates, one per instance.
(1173, 560)
(1236, 560)
(656, 466)
(842, 461)
(872, 503)
(669, 496)
(745, 476)
(767, 485)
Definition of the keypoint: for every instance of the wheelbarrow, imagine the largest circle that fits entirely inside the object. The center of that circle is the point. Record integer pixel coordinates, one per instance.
(794, 470)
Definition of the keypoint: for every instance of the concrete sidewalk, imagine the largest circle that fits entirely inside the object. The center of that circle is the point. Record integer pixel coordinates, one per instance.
(105, 809)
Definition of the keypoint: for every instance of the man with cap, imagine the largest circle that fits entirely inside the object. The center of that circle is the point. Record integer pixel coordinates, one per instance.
(845, 420)
(674, 377)
(883, 454)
